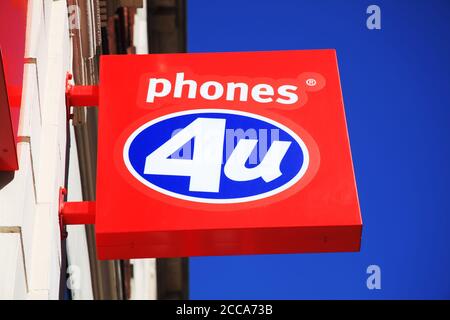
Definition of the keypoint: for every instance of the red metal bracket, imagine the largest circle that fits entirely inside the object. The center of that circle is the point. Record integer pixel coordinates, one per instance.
(80, 96)
(76, 212)
(70, 213)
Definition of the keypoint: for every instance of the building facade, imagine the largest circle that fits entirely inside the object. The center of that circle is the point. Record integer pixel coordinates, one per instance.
(36, 260)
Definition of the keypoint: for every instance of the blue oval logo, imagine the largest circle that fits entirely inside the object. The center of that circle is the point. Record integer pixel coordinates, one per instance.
(216, 156)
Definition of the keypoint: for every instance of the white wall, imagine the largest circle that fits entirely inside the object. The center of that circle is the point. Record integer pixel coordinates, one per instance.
(140, 30)
(143, 282)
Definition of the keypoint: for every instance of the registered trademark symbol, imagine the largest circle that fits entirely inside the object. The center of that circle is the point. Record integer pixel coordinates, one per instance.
(311, 82)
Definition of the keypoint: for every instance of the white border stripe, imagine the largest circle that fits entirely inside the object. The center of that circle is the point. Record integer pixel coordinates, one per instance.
(284, 187)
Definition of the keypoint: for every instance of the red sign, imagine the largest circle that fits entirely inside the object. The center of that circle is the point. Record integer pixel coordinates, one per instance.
(223, 154)
(12, 49)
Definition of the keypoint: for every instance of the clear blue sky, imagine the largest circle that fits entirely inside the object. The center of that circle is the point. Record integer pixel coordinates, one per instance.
(396, 89)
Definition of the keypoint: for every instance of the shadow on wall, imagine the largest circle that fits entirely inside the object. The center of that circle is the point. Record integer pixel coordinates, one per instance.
(5, 178)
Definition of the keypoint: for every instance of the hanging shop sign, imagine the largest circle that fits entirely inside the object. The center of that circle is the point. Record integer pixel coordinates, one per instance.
(223, 154)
